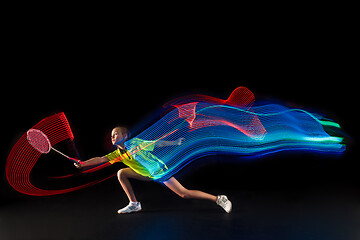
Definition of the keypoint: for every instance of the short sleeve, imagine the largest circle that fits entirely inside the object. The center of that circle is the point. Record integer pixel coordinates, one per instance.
(114, 156)
(143, 144)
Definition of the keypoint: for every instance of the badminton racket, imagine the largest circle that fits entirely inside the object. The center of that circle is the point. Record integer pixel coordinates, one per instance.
(41, 143)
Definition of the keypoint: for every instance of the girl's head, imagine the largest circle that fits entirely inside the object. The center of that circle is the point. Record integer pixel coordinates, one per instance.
(119, 135)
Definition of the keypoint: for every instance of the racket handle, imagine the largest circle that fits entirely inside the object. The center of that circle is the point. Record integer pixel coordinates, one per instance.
(78, 163)
(74, 160)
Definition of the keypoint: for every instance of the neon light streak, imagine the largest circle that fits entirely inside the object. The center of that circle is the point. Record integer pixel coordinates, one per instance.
(328, 123)
(212, 126)
(137, 149)
(208, 125)
(23, 157)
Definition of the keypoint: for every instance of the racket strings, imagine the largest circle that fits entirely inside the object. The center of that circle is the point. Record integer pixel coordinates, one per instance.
(38, 140)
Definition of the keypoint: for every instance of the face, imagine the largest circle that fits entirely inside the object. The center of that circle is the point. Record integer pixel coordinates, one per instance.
(116, 136)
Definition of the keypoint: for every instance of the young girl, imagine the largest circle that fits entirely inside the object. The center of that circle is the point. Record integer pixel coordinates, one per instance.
(199, 125)
(136, 171)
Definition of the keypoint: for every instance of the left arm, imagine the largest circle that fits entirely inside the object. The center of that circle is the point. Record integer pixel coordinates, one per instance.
(169, 143)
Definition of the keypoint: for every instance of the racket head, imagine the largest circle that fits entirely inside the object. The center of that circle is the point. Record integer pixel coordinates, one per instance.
(39, 140)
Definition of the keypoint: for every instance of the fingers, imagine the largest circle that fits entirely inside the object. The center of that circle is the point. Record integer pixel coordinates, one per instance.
(78, 165)
(180, 140)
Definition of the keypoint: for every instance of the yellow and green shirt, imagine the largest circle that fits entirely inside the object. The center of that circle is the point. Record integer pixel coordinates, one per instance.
(120, 155)
(149, 165)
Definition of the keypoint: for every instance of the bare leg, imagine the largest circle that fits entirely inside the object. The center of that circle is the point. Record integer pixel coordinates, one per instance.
(123, 176)
(177, 188)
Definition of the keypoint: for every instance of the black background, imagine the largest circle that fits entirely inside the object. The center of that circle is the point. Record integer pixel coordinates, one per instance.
(101, 77)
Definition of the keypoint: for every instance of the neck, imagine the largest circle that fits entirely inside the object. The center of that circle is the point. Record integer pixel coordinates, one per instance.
(121, 146)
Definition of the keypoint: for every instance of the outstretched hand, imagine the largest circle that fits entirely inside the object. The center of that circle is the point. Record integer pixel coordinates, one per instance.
(77, 163)
(179, 141)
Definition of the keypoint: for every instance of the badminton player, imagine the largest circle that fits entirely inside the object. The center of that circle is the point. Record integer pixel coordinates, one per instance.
(135, 170)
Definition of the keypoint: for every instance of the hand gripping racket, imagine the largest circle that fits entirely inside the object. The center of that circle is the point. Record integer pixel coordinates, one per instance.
(41, 142)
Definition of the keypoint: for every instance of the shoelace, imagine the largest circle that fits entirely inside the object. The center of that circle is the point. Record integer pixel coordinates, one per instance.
(132, 207)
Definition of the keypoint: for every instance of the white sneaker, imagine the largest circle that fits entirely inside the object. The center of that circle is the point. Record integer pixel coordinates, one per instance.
(132, 207)
(224, 202)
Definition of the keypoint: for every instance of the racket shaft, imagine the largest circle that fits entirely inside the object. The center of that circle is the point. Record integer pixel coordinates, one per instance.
(60, 152)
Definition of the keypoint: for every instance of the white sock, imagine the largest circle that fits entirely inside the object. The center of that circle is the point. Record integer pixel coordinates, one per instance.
(134, 203)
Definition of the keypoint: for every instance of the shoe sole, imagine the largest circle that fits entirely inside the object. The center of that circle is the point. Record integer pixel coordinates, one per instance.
(131, 212)
(229, 209)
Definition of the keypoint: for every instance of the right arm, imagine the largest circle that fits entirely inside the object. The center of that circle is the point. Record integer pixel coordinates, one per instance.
(92, 162)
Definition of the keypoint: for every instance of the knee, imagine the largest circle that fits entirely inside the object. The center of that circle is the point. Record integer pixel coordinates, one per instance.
(121, 174)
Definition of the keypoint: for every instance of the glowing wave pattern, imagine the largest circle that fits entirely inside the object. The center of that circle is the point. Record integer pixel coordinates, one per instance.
(211, 126)
(23, 157)
(207, 126)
